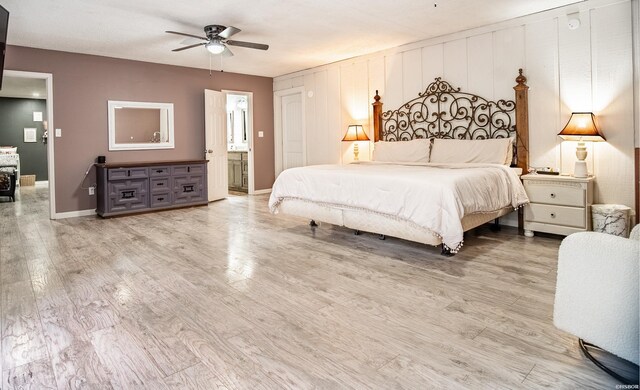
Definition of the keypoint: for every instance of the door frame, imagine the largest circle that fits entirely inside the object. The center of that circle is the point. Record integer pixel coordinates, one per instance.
(249, 95)
(48, 78)
(278, 136)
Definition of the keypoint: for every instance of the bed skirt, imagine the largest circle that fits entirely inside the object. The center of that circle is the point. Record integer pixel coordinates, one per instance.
(372, 222)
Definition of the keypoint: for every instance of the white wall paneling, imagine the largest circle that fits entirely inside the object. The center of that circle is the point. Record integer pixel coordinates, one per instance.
(586, 69)
(612, 75)
(455, 63)
(541, 53)
(480, 65)
(432, 63)
(412, 83)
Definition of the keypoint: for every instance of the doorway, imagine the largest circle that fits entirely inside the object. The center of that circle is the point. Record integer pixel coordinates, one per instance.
(238, 133)
(218, 149)
(290, 139)
(26, 102)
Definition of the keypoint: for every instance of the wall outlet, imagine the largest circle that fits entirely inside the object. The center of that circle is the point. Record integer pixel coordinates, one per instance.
(260, 134)
(92, 190)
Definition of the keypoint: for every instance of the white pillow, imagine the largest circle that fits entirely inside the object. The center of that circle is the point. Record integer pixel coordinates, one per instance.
(416, 150)
(488, 151)
(8, 149)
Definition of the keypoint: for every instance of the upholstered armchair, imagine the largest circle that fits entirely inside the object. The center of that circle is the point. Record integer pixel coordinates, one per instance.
(597, 293)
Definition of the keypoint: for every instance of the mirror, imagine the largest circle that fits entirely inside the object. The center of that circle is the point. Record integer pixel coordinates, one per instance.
(140, 125)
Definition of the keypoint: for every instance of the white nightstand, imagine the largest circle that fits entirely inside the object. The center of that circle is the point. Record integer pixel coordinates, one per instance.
(559, 204)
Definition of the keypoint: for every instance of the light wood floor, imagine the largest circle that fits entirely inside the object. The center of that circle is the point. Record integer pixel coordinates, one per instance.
(229, 296)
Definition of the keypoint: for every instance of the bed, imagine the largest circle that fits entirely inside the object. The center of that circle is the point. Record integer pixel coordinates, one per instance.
(434, 201)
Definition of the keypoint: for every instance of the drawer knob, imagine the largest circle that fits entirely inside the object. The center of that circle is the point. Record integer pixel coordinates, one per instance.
(553, 195)
(553, 215)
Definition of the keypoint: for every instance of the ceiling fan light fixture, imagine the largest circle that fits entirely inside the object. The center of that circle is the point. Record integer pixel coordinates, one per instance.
(215, 47)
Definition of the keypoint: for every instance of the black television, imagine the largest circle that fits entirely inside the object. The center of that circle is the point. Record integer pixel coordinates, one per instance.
(4, 26)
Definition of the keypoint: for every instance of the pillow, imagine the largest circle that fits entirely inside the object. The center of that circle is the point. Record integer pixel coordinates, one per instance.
(8, 150)
(488, 151)
(416, 150)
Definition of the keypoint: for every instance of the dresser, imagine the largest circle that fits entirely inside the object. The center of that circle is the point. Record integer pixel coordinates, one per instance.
(558, 204)
(126, 188)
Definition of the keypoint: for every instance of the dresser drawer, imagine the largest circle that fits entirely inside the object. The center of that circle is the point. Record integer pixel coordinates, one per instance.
(161, 199)
(556, 215)
(188, 169)
(160, 184)
(558, 194)
(159, 171)
(127, 173)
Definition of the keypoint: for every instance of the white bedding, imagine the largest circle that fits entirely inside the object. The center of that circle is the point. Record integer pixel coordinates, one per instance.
(433, 196)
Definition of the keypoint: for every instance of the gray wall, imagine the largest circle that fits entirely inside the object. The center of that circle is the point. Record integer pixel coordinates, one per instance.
(15, 115)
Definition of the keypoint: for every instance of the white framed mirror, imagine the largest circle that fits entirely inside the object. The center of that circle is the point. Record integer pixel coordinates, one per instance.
(140, 125)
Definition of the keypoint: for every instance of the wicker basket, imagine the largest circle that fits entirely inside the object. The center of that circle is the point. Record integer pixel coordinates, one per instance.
(27, 180)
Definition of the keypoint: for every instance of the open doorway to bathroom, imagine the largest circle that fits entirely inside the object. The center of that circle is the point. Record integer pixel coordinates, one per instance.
(239, 142)
(25, 150)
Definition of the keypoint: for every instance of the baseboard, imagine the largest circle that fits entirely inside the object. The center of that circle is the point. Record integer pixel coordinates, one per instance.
(42, 183)
(74, 214)
(262, 192)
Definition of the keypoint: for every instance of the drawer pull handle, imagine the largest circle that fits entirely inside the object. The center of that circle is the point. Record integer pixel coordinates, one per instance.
(187, 188)
(160, 199)
(128, 194)
(160, 184)
(553, 215)
(128, 172)
(159, 171)
(553, 195)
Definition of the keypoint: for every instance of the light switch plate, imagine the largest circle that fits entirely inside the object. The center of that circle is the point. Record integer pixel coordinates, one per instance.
(58, 132)
(260, 134)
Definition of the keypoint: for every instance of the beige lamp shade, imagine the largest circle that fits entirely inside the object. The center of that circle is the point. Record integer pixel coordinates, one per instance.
(581, 127)
(355, 133)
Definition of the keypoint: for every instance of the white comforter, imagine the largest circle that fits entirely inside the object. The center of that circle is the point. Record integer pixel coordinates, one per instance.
(433, 196)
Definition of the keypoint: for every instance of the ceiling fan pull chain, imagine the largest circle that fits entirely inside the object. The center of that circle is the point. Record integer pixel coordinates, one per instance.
(209, 64)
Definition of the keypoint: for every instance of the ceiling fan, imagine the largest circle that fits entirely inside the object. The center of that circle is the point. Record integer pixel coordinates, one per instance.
(217, 39)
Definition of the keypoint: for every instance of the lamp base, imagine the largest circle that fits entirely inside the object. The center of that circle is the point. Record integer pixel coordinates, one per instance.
(580, 169)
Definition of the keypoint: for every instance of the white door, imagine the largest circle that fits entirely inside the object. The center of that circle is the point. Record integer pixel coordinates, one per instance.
(292, 131)
(216, 144)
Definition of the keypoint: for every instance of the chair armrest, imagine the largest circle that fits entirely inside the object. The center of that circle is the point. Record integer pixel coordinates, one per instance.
(597, 291)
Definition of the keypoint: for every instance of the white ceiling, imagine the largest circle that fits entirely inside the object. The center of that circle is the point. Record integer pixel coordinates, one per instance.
(302, 34)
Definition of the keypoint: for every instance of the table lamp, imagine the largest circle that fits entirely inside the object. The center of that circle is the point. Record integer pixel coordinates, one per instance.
(582, 128)
(355, 133)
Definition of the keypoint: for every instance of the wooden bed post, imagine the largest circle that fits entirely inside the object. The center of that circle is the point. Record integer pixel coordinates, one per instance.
(377, 118)
(522, 121)
(522, 133)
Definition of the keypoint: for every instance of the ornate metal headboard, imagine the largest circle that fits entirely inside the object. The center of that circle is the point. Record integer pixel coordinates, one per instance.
(442, 111)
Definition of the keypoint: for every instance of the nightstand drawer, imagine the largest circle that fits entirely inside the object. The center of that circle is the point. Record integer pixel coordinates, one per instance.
(551, 193)
(556, 215)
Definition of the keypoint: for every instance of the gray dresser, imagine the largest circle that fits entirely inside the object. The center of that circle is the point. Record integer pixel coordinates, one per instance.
(126, 188)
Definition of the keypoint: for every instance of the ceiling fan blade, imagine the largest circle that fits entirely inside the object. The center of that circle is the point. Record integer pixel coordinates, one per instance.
(189, 47)
(227, 52)
(190, 41)
(187, 35)
(250, 45)
(228, 32)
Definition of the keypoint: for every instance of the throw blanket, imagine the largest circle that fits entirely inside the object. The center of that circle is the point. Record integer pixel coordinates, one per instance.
(433, 196)
(5, 182)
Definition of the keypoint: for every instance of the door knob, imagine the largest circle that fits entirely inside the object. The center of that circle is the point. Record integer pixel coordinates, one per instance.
(210, 151)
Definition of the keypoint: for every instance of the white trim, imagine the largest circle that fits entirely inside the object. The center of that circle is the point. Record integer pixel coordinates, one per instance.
(249, 95)
(74, 214)
(48, 77)
(261, 192)
(277, 115)
(42, 183)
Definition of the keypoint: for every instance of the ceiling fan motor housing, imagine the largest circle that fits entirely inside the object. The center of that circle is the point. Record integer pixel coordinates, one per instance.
(213, 30)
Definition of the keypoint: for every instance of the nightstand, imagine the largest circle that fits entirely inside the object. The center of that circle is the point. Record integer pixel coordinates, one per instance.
(559, 204)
